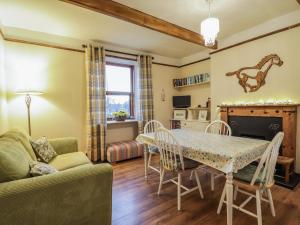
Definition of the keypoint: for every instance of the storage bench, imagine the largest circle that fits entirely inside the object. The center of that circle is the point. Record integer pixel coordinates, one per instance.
(120, 151)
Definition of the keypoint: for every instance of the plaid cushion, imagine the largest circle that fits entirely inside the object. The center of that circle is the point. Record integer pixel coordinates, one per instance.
(153, 149)
(119, 151)
(246, 174)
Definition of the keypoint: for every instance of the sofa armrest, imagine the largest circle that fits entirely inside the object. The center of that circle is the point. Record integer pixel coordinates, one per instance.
(64, 145)
(81, 195)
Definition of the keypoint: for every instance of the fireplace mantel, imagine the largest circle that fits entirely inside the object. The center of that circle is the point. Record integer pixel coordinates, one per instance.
(259, 105)
(288, 113)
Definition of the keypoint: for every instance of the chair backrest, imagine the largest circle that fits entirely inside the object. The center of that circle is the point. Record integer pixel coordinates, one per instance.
(266, 166)
(170, 150)
(152, 126)
(218, 127)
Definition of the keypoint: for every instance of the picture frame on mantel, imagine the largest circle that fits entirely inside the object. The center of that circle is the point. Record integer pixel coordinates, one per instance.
(179, 114)
(203, 115)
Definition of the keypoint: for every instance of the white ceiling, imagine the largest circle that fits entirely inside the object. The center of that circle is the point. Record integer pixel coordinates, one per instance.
(234, 15)
(59, 18)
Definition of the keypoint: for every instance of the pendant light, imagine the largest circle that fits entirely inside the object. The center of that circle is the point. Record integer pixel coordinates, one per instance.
(210, 28)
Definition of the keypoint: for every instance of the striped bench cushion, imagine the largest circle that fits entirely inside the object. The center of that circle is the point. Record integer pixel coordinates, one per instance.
(119, 151)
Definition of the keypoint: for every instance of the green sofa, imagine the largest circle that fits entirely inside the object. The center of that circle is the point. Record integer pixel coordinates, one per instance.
(79, 194)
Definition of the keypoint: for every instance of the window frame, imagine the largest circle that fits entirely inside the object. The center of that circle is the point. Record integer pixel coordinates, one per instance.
(132, 88)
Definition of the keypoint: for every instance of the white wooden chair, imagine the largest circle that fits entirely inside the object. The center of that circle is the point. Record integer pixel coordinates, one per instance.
(151, 127)
(218, 127)
(221, 128)
(173, 161)
(256, 181)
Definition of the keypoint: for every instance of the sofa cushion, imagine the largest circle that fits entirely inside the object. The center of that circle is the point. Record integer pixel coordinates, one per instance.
(43, 149)
(40, 169)
(14, 160)
(69, 160)
(22, 137)
(64, 145)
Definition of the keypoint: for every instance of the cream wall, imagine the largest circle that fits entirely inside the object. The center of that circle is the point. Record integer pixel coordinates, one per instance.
(60, 75)
(162, 78)
(3, 105)
(199, 93)
(281, 83)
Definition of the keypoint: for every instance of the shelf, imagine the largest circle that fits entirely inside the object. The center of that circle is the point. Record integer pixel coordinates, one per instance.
(191, 108)
(189, 85)
(121, 122)
(202, 121)
(192, 80)
(197, 108)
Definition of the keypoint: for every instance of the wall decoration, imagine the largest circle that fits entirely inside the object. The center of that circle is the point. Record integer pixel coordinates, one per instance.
(260, 73)
(179, 114)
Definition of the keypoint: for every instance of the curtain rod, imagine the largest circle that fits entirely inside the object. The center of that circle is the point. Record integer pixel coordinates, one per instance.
(118, 52)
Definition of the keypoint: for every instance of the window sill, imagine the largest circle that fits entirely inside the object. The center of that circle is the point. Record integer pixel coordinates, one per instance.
(121, 122)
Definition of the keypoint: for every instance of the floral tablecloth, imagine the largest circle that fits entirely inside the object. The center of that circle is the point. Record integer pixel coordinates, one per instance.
(224, 153)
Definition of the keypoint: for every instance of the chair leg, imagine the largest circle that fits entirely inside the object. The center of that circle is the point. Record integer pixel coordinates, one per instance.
(236, 188)
(212, 181)
(258, 207)
(161, 178)
(191, 176)
(198, 183)
(222, 200)
(149, 159)
(271, 202)
(146, 162)
(160, 167)
(179, 192)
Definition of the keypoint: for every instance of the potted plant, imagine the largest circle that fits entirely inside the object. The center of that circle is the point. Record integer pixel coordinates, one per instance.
(120, 116)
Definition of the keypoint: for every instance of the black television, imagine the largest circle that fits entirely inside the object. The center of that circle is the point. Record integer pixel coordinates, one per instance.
(183, 101)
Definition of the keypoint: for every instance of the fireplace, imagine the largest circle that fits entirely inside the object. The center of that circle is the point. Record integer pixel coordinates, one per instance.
(264, 122)
(264, 128)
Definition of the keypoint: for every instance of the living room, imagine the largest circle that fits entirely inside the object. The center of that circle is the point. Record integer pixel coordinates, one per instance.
(86, 79)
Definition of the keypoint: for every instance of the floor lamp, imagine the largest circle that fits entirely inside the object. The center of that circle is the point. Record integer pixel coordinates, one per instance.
(28, 95)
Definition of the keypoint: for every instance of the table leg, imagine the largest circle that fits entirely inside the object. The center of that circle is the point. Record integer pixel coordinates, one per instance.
(229, 197)
(146, 161)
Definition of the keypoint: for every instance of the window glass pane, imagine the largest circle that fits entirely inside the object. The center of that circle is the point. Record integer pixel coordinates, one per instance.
(115, 103)
(118, 78)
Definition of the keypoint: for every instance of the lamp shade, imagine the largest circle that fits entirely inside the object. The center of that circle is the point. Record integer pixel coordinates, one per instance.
(209, 30)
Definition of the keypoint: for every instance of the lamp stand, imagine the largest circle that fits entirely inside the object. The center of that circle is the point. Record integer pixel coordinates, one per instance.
(28, 102)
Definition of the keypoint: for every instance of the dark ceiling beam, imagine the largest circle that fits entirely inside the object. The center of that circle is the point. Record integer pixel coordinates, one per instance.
(137, 17)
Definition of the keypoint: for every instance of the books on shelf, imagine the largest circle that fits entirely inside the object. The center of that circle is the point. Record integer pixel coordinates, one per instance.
(191, 80)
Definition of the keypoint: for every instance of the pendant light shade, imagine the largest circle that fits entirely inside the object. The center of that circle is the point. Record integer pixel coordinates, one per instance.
(209, 30)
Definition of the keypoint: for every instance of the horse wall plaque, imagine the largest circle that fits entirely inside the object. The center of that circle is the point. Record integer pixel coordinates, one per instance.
(254, 77)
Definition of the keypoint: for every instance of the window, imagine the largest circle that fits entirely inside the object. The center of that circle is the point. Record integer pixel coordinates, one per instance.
(119, 89)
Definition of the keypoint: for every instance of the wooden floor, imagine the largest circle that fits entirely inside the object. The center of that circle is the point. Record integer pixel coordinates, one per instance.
(135, 201)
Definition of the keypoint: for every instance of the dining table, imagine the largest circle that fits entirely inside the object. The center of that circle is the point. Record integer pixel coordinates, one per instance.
(227, 154)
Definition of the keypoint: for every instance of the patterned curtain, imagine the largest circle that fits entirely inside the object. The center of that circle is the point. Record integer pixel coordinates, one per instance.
(96, 96)
(144, 89)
